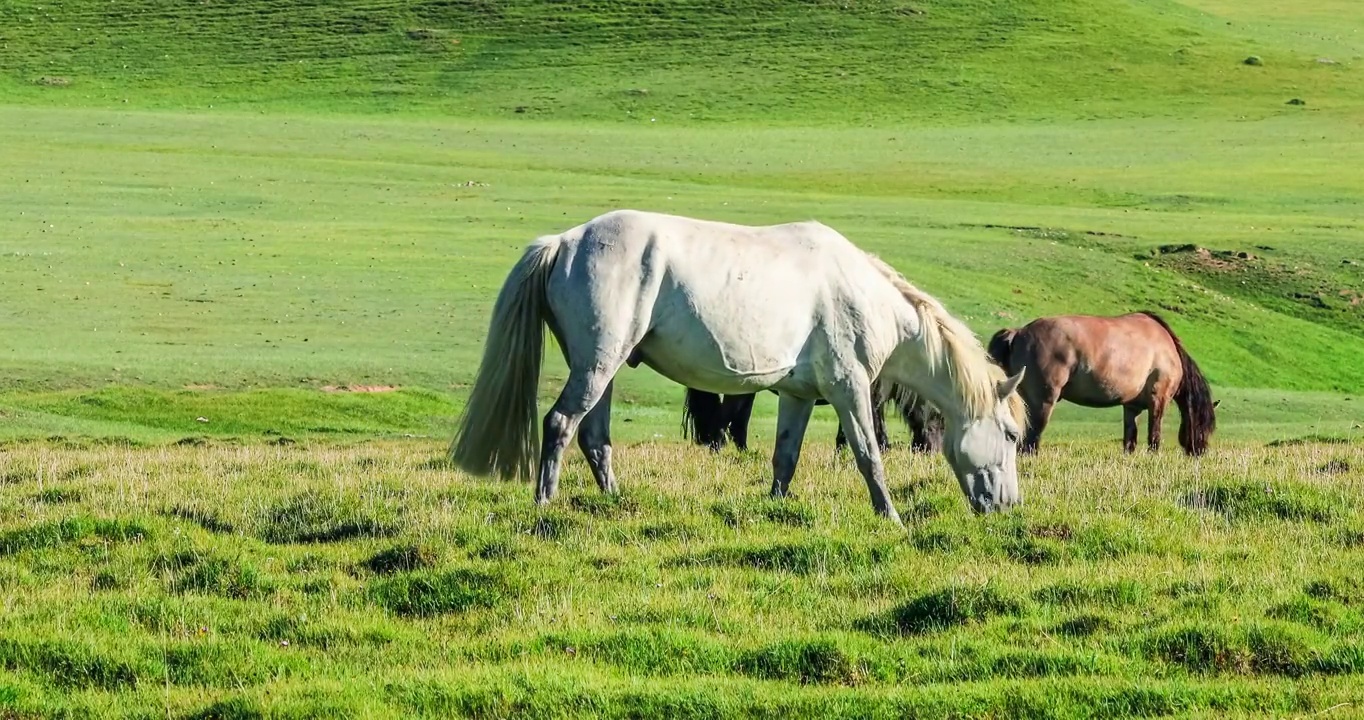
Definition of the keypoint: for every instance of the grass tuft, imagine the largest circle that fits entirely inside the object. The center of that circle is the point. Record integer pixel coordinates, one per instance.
(52, 534)
(233, 708)
(932, 539)
(952, 607)
(426, 593)
(1120, 593)
(817, 555)
(669, 532)
(500, 550)
(72, 665)
(748, 513)
(1086, 625)
(604, 505)
(1347, 591)
(314, 517)
(203, 517)
(235, 579)
(819, 660)
(402, 558)
(1247, 501)
(1200, 647)
(59, 495)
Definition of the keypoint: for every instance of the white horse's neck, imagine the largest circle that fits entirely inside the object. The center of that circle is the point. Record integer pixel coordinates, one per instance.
(911, 366)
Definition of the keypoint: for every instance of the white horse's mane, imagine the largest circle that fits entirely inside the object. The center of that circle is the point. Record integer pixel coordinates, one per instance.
(948, 342)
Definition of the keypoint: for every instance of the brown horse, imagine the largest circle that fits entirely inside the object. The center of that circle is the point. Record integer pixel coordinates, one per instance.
(1132, 360)
(712, 419)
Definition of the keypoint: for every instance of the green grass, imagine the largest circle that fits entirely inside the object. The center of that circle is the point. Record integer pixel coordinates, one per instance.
(677, 61)
(281, 580)
(248, 251)
(158, 252)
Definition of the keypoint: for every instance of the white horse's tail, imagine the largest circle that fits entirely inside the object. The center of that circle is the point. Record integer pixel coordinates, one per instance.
(498, 430)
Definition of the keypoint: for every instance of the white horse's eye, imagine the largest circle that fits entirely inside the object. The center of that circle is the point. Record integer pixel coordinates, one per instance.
(1011, 436)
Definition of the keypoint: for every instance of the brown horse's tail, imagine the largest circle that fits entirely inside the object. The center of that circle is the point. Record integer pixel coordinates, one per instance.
(1198, 419)
(703, 418)
(1001, 346)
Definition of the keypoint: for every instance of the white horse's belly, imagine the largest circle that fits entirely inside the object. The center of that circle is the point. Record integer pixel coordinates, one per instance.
(720, 329)
(689, 360)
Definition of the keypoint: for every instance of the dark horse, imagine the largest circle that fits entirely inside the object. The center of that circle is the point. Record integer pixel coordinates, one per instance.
(712, 419)
(1132, 360)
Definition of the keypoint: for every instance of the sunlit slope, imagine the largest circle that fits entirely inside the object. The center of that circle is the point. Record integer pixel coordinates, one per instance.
(767, 61)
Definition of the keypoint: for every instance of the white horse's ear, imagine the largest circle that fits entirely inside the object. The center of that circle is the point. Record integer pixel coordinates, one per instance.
(1007, 385)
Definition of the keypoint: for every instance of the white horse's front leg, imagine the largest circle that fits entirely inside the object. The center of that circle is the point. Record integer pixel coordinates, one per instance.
(793, 416)
(854, 406)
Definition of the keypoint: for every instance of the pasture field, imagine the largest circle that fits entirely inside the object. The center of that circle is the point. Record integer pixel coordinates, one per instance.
(253, 258)
(247, 254)
(212, 579)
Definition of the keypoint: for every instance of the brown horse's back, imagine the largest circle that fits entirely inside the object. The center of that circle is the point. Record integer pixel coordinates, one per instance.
(1099, 361)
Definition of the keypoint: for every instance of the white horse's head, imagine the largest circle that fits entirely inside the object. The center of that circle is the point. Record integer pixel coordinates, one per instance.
(983, 418)
(982, 451)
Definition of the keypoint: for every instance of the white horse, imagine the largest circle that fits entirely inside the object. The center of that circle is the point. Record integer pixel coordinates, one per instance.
(730, 309)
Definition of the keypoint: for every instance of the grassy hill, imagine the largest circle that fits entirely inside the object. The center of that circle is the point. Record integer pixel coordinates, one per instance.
(1016, 158)
(236, 251)
(760, 61)
(246, 247)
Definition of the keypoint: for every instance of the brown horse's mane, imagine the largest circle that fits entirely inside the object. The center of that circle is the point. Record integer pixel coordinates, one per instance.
(950, 344)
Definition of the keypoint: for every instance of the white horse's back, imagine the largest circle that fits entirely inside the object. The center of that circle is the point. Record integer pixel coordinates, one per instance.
(712, 305)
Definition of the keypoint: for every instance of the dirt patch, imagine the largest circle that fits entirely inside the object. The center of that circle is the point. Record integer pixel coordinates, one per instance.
(426, 34)
(359, 388)
(1296, 286)
(1047, 233)
(1059, 531)
(1205, 259)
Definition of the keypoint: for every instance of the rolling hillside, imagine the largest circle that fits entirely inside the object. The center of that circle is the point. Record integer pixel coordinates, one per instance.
(259, 194)
(761, 61)
(248, 250)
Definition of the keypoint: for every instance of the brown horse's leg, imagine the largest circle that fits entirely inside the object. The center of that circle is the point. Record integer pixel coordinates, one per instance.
(1153, 418)
(878, 422)
(1039, 414)
(1040, 392)
(1129, 427)
(738, 409)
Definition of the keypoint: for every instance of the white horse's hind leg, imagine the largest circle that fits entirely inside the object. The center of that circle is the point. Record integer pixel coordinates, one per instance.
(854, 412)
(594, 439)
(580, 395)
(793, 416)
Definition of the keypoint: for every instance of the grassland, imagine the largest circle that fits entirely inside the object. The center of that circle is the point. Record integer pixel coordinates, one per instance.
(814, 62)
(223, 224)
(147, 253)
(311, 580)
